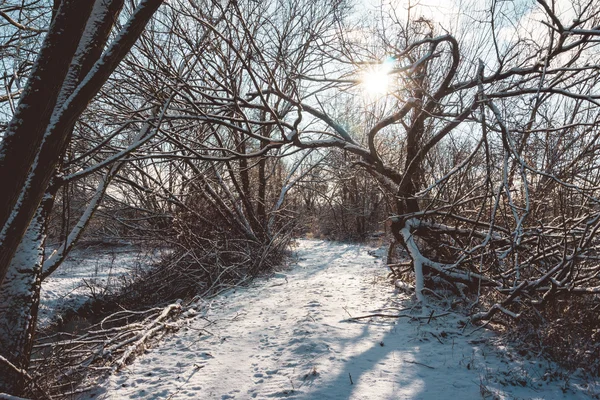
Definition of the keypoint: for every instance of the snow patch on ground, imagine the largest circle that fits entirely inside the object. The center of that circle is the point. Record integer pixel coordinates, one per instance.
(287, 336)
(85, 272)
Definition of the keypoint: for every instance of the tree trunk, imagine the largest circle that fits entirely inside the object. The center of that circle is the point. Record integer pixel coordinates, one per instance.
(19, 300)
(32, 174)
(32, 148)
(26, 130)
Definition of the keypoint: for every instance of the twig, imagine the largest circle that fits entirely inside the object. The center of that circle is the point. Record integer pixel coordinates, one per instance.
(24, 374)
(346, 309)
(379, 315)
(430, 317)
(392, 308)
(479, 327)
(418, 363)
(437, 337)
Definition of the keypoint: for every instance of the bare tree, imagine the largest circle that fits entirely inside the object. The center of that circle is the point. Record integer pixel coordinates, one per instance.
(483, 140)
(494, 98)
(217, 176)
(70, 69)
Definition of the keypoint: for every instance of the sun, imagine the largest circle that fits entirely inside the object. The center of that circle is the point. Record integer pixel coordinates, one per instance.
(376, 79)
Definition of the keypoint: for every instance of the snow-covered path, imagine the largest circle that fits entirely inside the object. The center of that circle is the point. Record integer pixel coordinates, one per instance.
(285, 337)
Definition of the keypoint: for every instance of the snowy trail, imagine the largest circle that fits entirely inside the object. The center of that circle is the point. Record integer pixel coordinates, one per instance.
(286, 337)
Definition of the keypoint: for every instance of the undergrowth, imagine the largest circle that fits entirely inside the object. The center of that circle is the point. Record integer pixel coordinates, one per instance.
(135, 304)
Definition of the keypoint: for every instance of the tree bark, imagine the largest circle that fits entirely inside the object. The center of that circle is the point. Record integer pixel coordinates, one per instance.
(24, 195)
(19, 300)
(69, 72)
(25, 132)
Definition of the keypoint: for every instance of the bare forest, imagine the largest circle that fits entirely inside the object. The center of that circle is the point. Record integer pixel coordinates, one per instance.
(461, 136)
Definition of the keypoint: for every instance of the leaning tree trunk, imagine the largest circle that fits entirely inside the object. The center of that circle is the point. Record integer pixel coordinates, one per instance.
(27, 189)
(19, 300)
(406, 203)
(25, 132)
(22, 237)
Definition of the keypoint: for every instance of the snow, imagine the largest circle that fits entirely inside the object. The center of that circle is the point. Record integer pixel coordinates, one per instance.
(288, 336)
(69, 287)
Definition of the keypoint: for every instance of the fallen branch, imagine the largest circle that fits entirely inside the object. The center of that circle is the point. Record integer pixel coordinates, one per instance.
(4, 396)
(105, 347)
(418, 363)
(482, 316)
(24, 374)
(428, 317)
(142, 337)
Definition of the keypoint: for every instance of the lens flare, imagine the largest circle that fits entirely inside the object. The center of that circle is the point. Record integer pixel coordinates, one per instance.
(376, 80)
